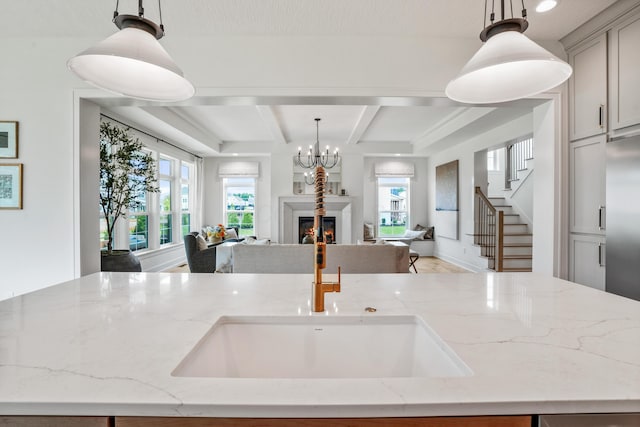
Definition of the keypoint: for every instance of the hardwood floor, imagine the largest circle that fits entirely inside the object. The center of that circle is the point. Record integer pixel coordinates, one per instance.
(430, 264)
(423, 265)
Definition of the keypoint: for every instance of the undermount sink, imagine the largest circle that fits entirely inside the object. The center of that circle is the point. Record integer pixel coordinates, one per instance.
(321, 347)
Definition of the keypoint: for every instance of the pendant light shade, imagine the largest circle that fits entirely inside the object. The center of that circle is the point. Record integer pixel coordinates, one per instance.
(133, 63)
(507, 67)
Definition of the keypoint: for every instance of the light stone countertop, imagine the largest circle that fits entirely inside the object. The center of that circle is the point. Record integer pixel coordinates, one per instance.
(106, 344)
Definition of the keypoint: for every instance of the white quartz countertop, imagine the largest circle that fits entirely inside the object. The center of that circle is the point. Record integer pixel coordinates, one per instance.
(106, 344)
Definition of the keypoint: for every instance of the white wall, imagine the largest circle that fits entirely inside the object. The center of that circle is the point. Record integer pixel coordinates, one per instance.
(38, 243)
(547, 191)
(462, 251)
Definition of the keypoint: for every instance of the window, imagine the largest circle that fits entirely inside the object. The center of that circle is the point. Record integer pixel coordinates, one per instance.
(240, 196)
(493, 160)
(161, 218)
(393, 206)
(186, 174)
(165, 183)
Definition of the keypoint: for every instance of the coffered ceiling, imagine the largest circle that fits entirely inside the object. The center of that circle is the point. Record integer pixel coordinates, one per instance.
(376, 126)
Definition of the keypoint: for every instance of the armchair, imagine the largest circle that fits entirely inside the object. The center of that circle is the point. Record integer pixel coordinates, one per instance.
(199, 260)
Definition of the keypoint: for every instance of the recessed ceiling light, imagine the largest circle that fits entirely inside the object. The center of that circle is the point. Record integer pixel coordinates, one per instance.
(546, 5)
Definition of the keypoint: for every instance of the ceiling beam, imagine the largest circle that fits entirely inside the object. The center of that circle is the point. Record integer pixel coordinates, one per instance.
(450, 124)
(183, 124)
(365, 119)
(271, 121)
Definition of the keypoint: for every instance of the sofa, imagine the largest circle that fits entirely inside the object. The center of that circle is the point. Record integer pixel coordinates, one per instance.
(298, 258)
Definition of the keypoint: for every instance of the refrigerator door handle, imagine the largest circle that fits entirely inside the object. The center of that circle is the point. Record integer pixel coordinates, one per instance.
(600, 222)
(600, 254)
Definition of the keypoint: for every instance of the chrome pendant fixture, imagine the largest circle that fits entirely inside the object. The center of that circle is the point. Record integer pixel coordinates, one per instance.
(132, 62)
(508, 66)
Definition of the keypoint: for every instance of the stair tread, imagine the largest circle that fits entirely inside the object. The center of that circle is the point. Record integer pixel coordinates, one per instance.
(517, 257)
(517, 245)
(516, 270)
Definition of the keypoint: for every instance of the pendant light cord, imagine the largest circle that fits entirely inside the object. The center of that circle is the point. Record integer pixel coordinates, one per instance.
(160, 11)
(115, 12)
(492, 16)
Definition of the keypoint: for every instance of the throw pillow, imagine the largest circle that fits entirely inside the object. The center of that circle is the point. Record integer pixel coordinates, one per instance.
(428, 235)
(368, 231)
(413, 234)
(231, 233)
(202, 244)
(253, 241)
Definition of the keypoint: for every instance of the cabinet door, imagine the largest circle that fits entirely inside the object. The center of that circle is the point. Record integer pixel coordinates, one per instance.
(588, 88)
(587, 260)
(624, 70)
(587, 161)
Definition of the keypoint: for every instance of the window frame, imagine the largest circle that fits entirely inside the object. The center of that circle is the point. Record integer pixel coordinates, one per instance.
(379, 212)
(225, 211)
(154, 210)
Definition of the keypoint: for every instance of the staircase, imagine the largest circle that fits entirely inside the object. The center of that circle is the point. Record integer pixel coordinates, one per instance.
(517, 240)
(504, 240)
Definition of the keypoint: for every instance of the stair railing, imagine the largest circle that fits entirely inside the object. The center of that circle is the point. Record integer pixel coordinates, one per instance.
(489, 230)
(516, 158)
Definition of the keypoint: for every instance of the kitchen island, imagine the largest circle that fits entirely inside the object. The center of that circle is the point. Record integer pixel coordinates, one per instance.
(107, 344)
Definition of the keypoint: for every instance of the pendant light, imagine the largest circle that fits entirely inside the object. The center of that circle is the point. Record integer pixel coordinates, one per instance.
(508, 66)
(132, 62)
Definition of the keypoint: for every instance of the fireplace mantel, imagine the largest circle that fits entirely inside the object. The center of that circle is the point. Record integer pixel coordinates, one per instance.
(292, 207)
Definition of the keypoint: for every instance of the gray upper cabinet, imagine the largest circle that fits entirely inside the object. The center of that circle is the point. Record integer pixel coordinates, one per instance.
(588, 88)
(587, 185)
(624, 73)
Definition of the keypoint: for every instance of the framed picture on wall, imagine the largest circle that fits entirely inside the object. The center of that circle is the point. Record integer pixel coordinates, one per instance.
(8, 140)
(10, 186)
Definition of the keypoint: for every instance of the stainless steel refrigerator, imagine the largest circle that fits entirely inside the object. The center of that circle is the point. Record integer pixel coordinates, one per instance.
(623, 217)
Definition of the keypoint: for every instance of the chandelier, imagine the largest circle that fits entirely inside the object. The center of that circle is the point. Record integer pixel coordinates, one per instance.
(508, 66)
(316, 158)
(132, 62)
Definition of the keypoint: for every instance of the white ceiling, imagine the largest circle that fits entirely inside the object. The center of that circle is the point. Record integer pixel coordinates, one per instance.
(370, 125)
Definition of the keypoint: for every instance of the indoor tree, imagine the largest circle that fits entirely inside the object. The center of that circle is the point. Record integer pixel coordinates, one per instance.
(126, 174)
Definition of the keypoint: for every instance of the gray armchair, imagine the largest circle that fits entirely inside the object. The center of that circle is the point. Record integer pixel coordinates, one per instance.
(200, 261)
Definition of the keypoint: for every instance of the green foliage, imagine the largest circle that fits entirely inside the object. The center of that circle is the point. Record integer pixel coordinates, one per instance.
(247, 219)
(126, 174)
(392, 230)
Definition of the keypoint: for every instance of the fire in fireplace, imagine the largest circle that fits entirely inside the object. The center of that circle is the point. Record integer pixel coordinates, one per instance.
(305, 228)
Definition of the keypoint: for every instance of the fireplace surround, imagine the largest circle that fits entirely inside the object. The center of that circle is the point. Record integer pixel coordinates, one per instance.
(291, 208)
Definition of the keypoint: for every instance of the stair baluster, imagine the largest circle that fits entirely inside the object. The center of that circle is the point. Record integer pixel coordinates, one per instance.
(489, 230)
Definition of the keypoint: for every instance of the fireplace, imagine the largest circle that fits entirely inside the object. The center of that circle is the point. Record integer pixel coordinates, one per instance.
(294, 207)
(305, 227)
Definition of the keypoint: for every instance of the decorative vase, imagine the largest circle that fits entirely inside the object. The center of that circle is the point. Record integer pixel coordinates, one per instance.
(119, 260)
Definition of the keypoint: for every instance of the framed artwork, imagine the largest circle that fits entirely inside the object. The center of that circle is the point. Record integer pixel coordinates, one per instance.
(447, 200)
(8, 140)
(11, 186)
